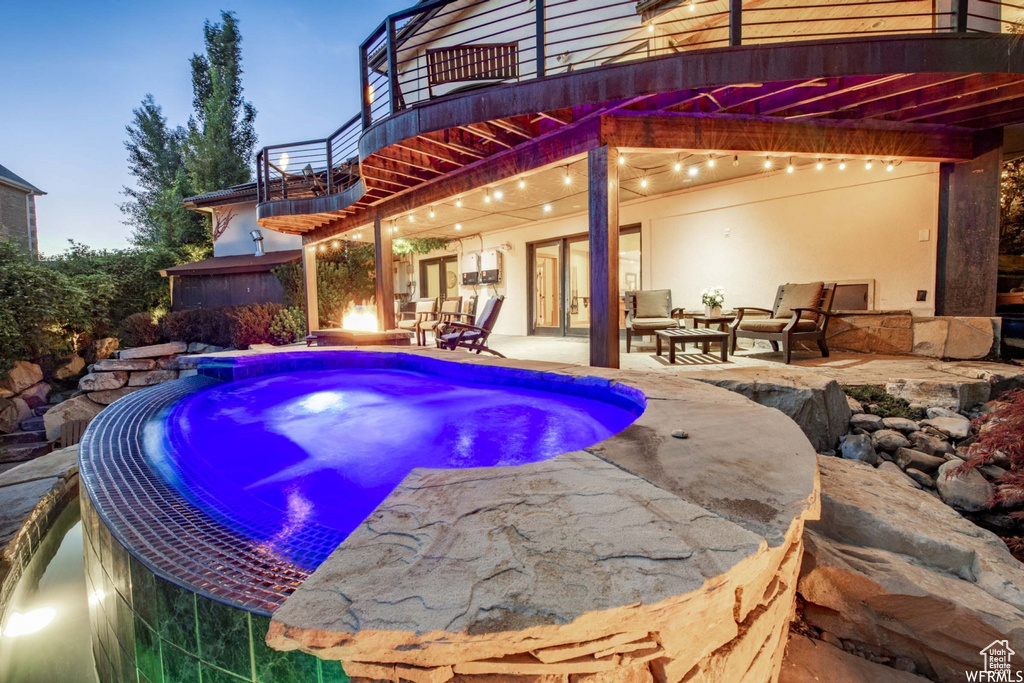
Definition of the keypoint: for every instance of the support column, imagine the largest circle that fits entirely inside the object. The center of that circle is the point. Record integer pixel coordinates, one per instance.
(967, 240)
(384, 268)
(603, 178)
(309, 288)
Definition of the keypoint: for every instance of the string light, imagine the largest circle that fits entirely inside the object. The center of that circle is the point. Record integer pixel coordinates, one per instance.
(412, 219)
(458, 203)
(335, 244)
(498, 194)
(547, 208)
(522, 184)
(568, 178)
(768, 162)
(458, 226)
(323, 247)
(622, 160)
(487, 197)
(650, 28)
(431, 212)
(819, 165)
(693, 5)
(692, 171)
(890, 166)
(711, 162)
(790, 167)
(842, 165)
(643, 183)
(736, 160)
(677, 167)
(868, 165)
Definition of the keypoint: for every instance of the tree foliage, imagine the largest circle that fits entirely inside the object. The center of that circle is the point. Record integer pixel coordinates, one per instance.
(1011, 233)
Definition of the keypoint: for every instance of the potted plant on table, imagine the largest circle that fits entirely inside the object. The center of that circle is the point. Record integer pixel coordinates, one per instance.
(713, 298)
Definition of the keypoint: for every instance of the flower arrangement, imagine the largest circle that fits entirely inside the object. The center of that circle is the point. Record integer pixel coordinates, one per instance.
(713, 297)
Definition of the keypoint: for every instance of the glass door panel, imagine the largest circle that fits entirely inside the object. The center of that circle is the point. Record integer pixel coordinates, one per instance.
(430, 276)
(451, 279)
(439, 278)
(546, 288)
(578, 286)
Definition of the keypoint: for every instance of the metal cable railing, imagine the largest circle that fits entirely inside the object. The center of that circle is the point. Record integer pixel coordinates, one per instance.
(443, 47)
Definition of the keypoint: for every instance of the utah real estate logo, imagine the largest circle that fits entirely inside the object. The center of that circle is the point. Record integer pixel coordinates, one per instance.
(997, 666)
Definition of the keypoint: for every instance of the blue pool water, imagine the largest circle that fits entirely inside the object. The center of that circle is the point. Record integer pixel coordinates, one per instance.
(311, 454)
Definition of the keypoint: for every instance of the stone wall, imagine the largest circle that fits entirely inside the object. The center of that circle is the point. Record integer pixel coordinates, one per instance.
(899, 332)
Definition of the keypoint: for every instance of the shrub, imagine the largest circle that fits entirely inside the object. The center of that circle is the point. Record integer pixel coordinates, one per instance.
(252, 324)
(138, 329)
(30, 320)
(878, 402)
(205, 325)
(288, 326)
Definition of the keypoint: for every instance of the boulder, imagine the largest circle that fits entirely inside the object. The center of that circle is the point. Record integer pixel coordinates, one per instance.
(71, 367)
(858, 447)
(9, 420)
(954, 394)
(100, 349)
(969, 491)
(895, 568)
(900, 424)
(128, 365)
(889, 466)
(866, 421)
(932, 445)
(921, 478)
(908, 457)
(154, 351)
(151, 377)
(813, 661)
(77, 408)
(168, 363)
(954, 427)
(815, 403)
(105, 398)
(35, 395)
(103, 381)
(937, 411)
(20, 377)
(888, 440)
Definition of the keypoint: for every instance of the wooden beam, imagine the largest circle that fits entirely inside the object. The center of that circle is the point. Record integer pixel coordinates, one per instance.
(886, 99)
(771, 136)
(603, 211)
(444, 158)
(513, 127)
(383, 264)
(453, 146)
(946, 111)
(844, 86)
(310, 299)
(485, 134)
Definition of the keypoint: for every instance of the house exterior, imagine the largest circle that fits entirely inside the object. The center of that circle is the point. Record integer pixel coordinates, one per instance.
(239, 273)
(18, 210)
(670, 144)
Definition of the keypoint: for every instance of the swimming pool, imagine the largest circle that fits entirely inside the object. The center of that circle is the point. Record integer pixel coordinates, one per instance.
(297, 460)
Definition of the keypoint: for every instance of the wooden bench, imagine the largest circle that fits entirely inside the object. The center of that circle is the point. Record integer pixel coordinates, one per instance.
(467, 63)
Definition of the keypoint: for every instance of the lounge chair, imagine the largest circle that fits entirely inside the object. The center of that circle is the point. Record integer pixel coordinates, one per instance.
(472, 337)
(649, 311)
(410, 320)
(449, 312)
(800, 313)
(315, 186)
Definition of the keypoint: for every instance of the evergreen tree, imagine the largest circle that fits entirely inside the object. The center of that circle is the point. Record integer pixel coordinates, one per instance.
(221, 140)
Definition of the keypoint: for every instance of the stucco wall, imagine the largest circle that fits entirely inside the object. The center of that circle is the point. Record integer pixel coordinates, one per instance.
(236, 240)
(809, 225)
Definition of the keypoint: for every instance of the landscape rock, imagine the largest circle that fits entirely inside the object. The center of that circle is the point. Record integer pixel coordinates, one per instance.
(888, 440)
(168, 363)
(1001, 377)
(992, 472)
(952, 394)
(71, 367)
(129, 365)
(921, 478)
(105, 398)
(907, 457)
(100, 349)
(151, 377)
(896, 569)
(815, 403)
(936, 411)
(866, 421)
(889, 466)
(154, 351)
(199, 347)
(103, 381)
(858, 447)
(35, 395)
(20, 377)
(77, 408)
(855, 406)
(814, 661)
(9, 419)
(932, 445)
(955, 427)
(969, 491)
(900, 424)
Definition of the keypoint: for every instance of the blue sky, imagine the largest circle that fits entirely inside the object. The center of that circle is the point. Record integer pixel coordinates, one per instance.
(73, 71)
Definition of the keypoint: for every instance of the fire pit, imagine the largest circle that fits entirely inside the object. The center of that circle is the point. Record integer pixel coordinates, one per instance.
(359, 328)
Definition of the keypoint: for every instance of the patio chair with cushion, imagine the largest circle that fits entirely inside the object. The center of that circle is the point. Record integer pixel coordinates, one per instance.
(449, 312)
(410, 320)
(649, 311)
(472, 337)
(801, 313)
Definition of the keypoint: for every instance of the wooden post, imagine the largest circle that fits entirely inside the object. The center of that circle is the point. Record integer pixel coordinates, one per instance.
(967, 240)
(541, 52)
(383, 266)
(364, 81)
(309, 287)
(603, 178)
(392, 50)
(735, 22)
(960, 15)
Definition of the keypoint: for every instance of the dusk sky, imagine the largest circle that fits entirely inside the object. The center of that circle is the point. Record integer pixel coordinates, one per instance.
(73, 72)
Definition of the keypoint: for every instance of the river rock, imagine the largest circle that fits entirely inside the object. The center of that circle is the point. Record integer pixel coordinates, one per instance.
(105, 398)
(858, 447)
(969, 491)
(932, 445)
(866, 421)
(888, 440)
(103, 381)
(100, 349)
(151, 377)
(20, 377)
(35, 395)
(154, 351)
(908, 457)
(954, 427)
(77, 408)
(900, 424)
(895, 568)
(71, 367)
(921, 478)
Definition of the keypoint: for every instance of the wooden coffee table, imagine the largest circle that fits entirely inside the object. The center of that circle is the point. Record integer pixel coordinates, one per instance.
(682, 336)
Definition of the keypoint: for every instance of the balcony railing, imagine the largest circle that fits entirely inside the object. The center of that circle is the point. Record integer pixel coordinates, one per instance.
(441, 47)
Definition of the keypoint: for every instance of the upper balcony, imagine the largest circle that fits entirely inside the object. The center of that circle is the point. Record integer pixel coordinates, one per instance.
(459, 51)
